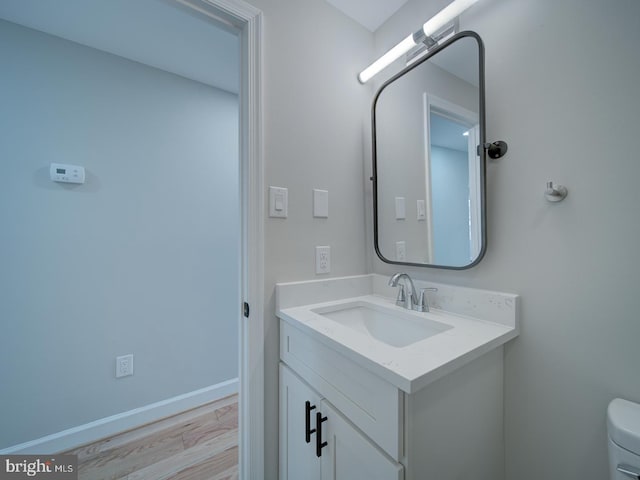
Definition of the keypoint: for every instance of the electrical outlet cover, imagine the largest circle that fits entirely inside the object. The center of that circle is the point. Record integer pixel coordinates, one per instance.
(323, 259)
(124, 366)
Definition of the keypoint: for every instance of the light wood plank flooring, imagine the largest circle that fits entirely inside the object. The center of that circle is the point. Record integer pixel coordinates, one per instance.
(201, 444)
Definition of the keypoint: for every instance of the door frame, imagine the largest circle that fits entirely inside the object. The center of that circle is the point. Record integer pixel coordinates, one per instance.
(247, 21)
(454, 112)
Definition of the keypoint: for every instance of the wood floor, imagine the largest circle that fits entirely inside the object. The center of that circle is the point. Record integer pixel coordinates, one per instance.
(201, 444)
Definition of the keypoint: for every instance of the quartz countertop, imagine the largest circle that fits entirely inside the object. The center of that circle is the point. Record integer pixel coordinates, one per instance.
(414, 366)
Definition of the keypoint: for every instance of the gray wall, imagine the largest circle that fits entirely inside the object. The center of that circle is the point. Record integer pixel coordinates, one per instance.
(141, 259)
(562, 89)
(314, 111)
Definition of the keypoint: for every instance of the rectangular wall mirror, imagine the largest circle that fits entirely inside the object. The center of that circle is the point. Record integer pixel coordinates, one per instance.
(428, 172)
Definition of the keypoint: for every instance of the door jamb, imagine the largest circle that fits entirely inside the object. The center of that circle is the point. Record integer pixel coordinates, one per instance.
(247, 20)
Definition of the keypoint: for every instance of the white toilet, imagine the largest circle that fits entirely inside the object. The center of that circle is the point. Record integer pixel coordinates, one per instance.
(623, 425)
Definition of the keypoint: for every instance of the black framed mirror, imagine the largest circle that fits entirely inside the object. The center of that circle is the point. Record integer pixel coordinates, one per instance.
(429, 159)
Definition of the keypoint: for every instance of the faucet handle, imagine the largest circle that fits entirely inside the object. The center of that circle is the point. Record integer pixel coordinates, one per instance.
(423, 303)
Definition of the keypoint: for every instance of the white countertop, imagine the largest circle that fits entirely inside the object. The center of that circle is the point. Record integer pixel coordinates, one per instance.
(412, 367)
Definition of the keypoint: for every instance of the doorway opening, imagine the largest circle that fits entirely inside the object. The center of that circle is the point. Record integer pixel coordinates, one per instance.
(129, 262)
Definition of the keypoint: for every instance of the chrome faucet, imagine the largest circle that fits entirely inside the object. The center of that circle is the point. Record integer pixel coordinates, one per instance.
(403, 299)
(410, 301)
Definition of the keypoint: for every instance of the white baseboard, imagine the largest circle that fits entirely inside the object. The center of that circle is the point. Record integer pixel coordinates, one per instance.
(108, 426)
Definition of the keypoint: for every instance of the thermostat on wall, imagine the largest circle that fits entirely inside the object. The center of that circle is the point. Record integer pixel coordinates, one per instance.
(61, 172)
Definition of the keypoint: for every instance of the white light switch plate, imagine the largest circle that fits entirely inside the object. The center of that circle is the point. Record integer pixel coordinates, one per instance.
(278, 202)
(421, 209)
(323, 259)
(401, 208)
(320, 203)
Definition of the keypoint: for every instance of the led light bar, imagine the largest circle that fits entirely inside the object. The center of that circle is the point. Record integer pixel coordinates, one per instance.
(435, 23)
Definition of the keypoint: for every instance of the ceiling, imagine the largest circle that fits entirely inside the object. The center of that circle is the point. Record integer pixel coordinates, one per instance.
(171, 37)
(159, 33)
(461, 62)
(368, 13)
(448, 133)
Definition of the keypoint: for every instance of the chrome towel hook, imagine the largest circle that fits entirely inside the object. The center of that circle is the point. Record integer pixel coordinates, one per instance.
(555, 193)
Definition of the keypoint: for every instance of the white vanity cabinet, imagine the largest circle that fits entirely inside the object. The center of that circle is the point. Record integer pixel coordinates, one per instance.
(318, 443)
(448, 430)
(406, 395)
(298, 405)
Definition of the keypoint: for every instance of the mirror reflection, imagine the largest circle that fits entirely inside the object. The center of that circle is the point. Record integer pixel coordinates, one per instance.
(428, 174)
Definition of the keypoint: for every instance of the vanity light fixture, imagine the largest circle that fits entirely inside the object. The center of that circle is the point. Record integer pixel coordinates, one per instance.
(432, 26)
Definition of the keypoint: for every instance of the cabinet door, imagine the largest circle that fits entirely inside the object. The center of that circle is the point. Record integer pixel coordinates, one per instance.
(349, 455)
(298, 460)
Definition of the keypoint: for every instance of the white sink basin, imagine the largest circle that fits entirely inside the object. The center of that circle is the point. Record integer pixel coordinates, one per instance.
(394, 328)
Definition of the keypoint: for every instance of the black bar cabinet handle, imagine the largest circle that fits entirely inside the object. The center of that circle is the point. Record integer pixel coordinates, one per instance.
(307, 421)
(319, 443)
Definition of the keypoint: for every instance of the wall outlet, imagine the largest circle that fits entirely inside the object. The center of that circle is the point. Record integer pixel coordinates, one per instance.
(323, 259)
(401, 251)
(124, 366)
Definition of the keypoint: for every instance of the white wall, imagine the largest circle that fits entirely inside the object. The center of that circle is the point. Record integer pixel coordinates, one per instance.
(141, 259)
(314, 110)
(562, 90)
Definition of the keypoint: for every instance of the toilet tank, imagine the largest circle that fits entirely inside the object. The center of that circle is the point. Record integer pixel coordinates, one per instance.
(623, 426)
